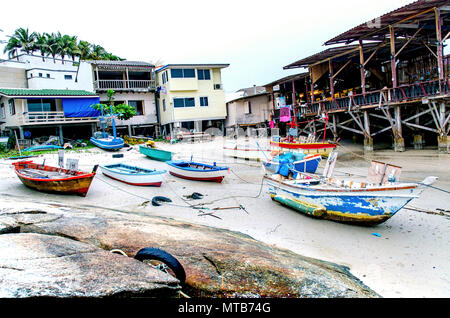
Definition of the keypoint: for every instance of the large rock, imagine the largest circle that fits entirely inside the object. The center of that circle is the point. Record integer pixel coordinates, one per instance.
(218, 263)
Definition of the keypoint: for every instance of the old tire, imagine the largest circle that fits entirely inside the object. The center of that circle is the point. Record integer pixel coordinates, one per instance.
(151, 253)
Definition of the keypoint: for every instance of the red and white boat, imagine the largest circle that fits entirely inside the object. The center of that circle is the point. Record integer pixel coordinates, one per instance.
(197, 171)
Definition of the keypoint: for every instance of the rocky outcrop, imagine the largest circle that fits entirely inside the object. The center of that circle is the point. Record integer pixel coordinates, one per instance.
(218, 263)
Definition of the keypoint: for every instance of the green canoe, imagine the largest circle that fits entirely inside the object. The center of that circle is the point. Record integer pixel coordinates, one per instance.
(156, 154)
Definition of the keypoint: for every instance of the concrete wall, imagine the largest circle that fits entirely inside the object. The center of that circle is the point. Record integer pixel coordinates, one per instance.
(180, 87)
(12, 75)
(237, 111)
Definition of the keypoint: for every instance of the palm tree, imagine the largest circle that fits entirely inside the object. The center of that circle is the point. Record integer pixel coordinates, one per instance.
(52, 43)
(41, 44)
(12, 48)
(97, 52)
(21, 39)
(84, 49)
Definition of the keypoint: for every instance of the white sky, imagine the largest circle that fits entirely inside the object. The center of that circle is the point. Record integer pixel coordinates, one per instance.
(256, 37)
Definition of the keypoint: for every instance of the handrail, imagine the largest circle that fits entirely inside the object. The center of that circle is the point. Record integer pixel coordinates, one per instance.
(401, 93)
(124, 84)
(50, 117)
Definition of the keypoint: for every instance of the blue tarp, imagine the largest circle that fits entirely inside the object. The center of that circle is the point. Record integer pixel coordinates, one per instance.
(80, 107)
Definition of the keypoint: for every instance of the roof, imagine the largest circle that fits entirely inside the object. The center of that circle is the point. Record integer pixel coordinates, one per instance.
(246, 93)
(288, 78)
(211, 65)
(26, 92)
(378, 27)
(120, 63)
(330, 53)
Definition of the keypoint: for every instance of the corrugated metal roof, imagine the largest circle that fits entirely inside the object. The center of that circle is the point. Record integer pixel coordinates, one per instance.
(377, 27)
(288, 79)
(16, 92)
(211, 65)
(120, 63)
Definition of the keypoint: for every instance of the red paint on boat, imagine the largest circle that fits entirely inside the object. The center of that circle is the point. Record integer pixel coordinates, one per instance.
(215, 179)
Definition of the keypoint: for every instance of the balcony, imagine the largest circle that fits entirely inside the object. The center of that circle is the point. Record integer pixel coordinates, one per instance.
(55, 117)
(125, 85)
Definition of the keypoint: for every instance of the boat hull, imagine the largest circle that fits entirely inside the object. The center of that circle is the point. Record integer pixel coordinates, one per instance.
(249, 152)
(78, 184)
(108, 143)
(364, 207)
(309, 165)
(142, 178)
(197, 175)
(323, 149)
(156, 154)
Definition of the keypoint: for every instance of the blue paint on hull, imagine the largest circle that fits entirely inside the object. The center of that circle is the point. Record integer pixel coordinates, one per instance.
(112, 144)
(311, 165)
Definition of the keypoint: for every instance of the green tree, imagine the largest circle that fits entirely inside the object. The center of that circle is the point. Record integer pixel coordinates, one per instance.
(41, 44)
(122, 111)
(21, 39)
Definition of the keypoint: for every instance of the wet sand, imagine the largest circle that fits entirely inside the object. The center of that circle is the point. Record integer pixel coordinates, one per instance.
(409, 256)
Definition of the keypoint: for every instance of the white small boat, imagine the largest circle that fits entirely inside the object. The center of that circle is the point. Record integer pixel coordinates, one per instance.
(245, 150)
(197, 171)
(134, 175)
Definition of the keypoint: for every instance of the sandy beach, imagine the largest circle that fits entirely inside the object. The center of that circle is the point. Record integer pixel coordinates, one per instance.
(407, 256)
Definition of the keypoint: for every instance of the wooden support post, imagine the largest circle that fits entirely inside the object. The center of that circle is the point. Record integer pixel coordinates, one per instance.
(418, 138)
(440, 47)
(330, 67)
(61, 136)
(443, 138)
(368, 140)
(312, 85)
(393, 66)
(362, 70)
(399, 143)
(333, 127)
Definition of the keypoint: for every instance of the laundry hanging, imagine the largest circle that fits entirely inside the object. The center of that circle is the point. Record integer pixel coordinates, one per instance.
(285, 113)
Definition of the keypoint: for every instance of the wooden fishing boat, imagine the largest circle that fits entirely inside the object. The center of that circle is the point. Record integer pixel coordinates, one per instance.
(348, 202)
(197, 171)
(245, 150)
(321, 148)
(52, 179)
(155, 153)
(134, 175)
(42, 147)
(299, 161)
(108, 142)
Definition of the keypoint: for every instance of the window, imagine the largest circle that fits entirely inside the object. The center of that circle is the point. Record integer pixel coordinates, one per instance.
(203, 101)
(48, 75)
(2, 107)
(184, 102)
(137, 105)
(164, 79)
(12, 107)
(67, 77)
(40, 74)
(41, 105)
(182, 73)
(203, 74)
(249, 108)
(164, 105)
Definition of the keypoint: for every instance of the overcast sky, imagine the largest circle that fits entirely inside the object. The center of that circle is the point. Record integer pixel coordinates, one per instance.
(257, 38)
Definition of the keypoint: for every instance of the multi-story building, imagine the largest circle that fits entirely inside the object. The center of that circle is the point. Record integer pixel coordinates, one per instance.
(134, 84)
(251, 108)
(190, 96)
(46, 96)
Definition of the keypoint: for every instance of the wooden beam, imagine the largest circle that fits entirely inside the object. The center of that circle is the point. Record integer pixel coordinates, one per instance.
(393, 66)
(407, 42)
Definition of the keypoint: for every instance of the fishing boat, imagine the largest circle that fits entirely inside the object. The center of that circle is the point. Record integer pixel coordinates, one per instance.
(105, 141)
(321, 148)
(197, 171)
(155, 153)
(344, 201)
(52, 179)
(43, 147)
(297, 160)
(245, 150)
(134, 175)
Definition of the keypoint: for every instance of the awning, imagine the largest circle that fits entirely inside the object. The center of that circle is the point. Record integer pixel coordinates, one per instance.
(80, 107)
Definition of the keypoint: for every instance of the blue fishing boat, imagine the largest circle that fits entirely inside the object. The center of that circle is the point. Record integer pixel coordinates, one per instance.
(104, 140)
(347, 202)
(296, 160)
(191, 170)
(42, 147)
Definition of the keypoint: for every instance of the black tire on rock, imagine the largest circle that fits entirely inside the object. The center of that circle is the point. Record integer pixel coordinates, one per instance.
(151, 253)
